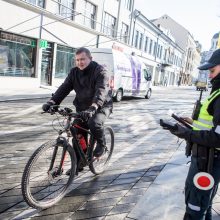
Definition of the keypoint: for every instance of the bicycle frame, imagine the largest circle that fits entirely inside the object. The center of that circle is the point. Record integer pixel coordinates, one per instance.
(85, 158)
(81, 156)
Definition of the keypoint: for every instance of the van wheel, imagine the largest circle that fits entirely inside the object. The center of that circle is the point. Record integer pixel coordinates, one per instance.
(118, 96)
(148, 95)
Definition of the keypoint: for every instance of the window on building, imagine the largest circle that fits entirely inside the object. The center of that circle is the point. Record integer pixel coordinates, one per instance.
(155, 49)
(124, 32)
(66, 8)
(161, 51)
(145, 44)
(89, 14)
(141, 41)
(136, 38)
(39, 3)
(158, 50)
(150, 47)
(128, 4)
(17, 55)
(64, 61)
(109, 25)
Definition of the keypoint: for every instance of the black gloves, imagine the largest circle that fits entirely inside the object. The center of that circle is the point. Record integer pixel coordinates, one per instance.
(88, 113)
(182, 132)
(47, 106)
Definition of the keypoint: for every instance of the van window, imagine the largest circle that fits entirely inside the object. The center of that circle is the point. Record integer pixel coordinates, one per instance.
(147, 75)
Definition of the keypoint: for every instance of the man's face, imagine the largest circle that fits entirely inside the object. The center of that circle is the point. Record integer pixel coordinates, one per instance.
(82, 60)
(213, 72)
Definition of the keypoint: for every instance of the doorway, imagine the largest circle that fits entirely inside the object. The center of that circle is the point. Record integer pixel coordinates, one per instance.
(46, 65)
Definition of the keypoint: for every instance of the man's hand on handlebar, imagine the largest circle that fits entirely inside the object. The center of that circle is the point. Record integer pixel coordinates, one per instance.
(47, 106)
(88, 113)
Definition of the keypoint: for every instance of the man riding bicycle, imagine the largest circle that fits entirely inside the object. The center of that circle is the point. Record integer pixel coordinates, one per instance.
(93, 99)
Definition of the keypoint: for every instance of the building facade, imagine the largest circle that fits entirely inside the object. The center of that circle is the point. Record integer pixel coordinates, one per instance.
(38, 42)
(185, 40)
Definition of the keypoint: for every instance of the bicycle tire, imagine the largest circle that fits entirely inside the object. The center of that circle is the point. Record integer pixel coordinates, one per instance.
(44, 200)
(97, 166)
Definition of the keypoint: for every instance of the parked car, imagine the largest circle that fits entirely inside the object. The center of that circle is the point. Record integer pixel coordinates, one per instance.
(201, 86)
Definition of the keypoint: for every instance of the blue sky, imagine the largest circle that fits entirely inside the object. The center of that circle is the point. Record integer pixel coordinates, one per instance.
(200, 17)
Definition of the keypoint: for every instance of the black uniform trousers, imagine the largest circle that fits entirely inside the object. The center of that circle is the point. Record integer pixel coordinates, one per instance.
(199, 202)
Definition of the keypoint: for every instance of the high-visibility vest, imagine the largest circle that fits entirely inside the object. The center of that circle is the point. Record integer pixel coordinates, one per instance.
(204, 121)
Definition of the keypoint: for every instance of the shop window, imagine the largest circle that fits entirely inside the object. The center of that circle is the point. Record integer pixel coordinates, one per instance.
(17, 55)
(64, 61)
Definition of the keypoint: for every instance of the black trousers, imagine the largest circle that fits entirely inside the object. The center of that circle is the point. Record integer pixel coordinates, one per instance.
(199, 202)
(96, 124)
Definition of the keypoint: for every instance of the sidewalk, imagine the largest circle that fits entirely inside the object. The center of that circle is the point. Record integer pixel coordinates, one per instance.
(27, 92)
(169, 188)
(19, 92)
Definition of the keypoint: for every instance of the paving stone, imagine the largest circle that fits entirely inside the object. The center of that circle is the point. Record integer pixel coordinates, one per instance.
(116, 217)
(124, 181)
(121, 208)
(100, 203)
(80, 192)
(147, 179)
(130, 175)
(8, 215)
(116, 187)
(136, 191)
(163, 197)
(53, 217)
(130, 199)
(109, 195)
(91, 213)
(57, 209)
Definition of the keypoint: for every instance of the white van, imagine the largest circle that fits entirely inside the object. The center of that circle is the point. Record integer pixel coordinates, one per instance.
(129, 76)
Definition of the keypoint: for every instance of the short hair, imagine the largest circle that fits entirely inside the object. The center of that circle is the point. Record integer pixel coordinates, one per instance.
(83, 50)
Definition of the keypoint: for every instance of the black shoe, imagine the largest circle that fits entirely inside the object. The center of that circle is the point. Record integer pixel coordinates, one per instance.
(99, 150)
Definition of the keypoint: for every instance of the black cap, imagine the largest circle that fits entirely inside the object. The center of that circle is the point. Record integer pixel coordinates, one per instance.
(212, 62)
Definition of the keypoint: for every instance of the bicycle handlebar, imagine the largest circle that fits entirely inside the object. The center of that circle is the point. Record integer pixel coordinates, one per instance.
(62, 111)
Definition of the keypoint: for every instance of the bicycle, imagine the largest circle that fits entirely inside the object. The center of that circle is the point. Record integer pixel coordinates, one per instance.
(53, 166)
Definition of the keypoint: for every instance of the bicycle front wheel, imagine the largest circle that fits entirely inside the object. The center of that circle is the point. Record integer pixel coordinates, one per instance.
(98, 165)
(45, 180)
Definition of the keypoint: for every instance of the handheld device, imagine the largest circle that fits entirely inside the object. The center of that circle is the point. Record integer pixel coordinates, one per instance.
(179, 119)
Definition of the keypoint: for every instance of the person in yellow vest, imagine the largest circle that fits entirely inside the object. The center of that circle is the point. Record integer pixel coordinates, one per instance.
(204, 172)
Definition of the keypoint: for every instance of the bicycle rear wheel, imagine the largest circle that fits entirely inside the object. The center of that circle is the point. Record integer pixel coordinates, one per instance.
(44, 185)
(98, 165)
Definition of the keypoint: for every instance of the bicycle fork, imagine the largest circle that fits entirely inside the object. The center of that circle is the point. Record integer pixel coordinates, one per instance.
(62, 141)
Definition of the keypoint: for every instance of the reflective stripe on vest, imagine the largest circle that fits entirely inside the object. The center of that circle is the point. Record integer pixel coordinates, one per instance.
(204, 121)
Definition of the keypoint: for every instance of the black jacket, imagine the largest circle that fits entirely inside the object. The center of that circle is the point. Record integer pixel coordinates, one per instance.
(91, 85)
(210, 138)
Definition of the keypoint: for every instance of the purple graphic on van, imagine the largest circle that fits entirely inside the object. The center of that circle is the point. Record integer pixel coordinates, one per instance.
(136, 75)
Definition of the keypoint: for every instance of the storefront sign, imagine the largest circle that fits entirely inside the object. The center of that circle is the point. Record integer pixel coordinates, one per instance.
(43, 44)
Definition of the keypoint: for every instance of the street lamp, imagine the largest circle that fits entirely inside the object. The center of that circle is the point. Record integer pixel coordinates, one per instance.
(135, 14)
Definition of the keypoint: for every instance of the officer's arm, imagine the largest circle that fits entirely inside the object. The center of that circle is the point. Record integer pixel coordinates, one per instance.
(210, 138)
